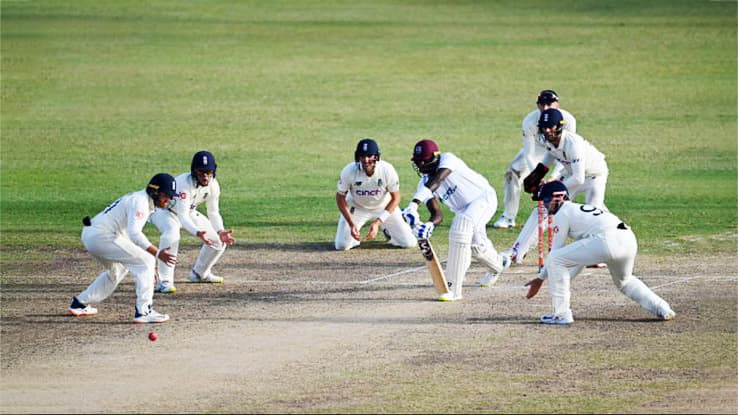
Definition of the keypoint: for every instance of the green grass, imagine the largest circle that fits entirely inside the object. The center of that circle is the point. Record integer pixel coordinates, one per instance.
(97, 96)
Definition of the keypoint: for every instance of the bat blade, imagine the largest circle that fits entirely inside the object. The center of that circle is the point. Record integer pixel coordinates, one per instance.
(434, 266)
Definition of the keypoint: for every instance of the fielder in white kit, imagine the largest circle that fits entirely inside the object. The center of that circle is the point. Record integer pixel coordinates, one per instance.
(529, 156)
(581, 166)
(196, 187)
(472, 200)
(115, 238)
(369, 189)
(598, 236)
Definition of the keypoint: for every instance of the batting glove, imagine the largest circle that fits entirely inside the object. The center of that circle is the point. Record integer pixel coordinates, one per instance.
(425, 230)
(410, 214)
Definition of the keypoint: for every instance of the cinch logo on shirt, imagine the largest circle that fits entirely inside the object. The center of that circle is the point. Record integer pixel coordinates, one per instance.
(374, 192)
(449, 192)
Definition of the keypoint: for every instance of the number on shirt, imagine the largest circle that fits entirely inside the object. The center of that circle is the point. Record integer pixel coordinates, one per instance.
(591, 209)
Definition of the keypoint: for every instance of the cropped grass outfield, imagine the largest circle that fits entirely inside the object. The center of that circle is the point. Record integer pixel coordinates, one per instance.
(97, 96)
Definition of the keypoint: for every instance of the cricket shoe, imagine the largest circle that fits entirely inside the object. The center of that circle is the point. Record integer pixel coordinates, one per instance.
(504, 223)
(212, 279)
(554, 319)
(491, 277)
(78, 309)
(152, 317)
(166, 288)
(667, 314)
(448, 297)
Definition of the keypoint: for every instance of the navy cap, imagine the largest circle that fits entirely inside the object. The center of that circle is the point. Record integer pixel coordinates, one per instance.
(547, 96)
(551, 118)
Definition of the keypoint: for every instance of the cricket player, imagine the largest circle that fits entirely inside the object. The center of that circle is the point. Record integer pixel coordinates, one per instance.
(369, 190)
(196, 187)
(582, 168)
(115, 238)
(598, 236)
(529, 156)
(473, 201)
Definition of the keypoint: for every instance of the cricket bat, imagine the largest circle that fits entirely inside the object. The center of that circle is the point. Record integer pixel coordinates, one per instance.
(434, 266)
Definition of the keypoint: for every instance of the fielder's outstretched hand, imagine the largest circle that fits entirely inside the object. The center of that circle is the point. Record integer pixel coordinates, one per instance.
(533, 286)
(204, 238)
(226, 236)
(166, 257)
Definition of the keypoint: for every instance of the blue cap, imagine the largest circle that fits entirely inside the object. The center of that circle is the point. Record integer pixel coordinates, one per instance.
(551, 118)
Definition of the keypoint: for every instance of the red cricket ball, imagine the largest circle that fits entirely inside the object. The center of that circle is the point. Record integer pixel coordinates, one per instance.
(153, 336)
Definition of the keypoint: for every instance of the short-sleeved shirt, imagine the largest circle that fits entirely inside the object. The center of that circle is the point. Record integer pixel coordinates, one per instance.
(461, 187)
(369, 192)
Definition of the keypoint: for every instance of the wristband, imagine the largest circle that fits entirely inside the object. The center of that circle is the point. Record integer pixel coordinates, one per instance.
(423, 194)
(383, 216)
(156, 255)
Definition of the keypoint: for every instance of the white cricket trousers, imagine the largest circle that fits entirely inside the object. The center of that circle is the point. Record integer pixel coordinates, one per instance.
(516, 172)
(617, 248)
(118, 255)
(401, 234)
(169, 225)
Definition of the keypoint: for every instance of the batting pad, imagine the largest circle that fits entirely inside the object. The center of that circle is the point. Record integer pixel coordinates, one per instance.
(459, 252)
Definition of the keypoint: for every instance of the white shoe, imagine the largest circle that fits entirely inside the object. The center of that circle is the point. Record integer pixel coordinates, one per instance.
(213, 279)
(667, 315)
(554, 319)
(504, 223)
(448, 297)
(78, 309)
(491, 277)
(166, 288)
(152, 317)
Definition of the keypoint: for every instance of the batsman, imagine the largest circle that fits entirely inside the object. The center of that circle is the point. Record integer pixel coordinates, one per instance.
(473, 201)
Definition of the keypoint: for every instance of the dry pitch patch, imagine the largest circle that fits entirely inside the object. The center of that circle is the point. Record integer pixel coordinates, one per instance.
(306, 329)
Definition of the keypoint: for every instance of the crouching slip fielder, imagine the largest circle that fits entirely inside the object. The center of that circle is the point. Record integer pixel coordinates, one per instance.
(195, 187)
(115, 238)
(369, 189)
(581, 165)
(598, 236)
(529, 156)
(472, 200)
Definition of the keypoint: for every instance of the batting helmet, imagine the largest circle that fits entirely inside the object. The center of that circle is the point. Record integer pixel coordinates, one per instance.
(547, 96)
(162, 183)
(203, 160)
(426, 156)
(367, 147)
